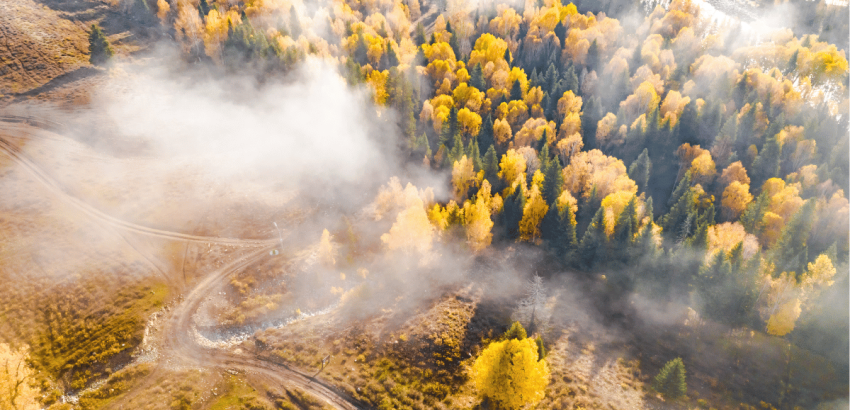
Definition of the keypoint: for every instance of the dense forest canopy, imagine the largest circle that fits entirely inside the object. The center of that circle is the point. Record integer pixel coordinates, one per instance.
(691, 153)
(686, 157)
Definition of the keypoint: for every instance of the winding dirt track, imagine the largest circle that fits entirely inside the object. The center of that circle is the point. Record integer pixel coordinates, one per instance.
(179, 338)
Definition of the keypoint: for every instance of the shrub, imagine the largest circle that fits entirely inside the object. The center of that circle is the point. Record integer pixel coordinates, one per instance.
(670, 382)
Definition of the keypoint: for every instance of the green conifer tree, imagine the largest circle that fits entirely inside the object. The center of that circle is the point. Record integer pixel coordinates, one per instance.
(476, 78)
(670, 382)
(640, 170)
(99, 48)
(491, 166)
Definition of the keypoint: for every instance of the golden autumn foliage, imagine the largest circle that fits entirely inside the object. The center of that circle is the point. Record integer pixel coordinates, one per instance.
(502, 132)
(511, 166)
(734, 172)
(469, 121)
(725, 236)
(326, 250)
(162, 9)
(16, 378)
(463, 177)
(735, 199)
(644, 100)
(378, 81)
(412, 231)
(478, 223)
(510, 373)
(593, 168)
(534, 211)
(782, 321)
(532, 131)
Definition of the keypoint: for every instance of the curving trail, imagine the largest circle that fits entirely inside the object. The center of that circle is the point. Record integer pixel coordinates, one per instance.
(180, 342)
(179, 336)
(19, 157)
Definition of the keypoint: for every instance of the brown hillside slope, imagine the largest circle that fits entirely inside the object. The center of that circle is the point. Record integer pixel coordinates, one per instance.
(37, 45)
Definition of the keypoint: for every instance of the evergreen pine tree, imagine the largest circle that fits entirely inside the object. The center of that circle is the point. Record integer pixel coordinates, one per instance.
(99, 48)
(553, 182)
(766, 164)
(203, 8)
(683, 187)
(456, 151)
(592, 248)
(571, 81)
(419, 36)
(476, 78)
(640, 170)
(516, 91)
(752, 216)
(670, 382)
(491, 166)
(592, 59)
(561, 32)
(790, 253)
(512, 214)
(485, 135)
(792, 62)
(475, 155)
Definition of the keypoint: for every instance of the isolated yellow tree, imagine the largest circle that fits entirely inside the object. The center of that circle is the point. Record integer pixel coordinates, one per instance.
(326, 250)
(511, 374)
(478, 224)
(412, 231)
(782, 322)
(16, 392)
(736, 197)
(463, 177)
(534, 211)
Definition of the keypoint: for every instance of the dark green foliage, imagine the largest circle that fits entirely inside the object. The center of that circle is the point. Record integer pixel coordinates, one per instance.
(558, 230)
(561, 32)
(203, 8)
(99, 48)
(627, 224)
(766, 164)
(541, 350)
(592, 248)
(512, 214)
(727, 288)
(752, 216)
(516, 91)
(476, 78)
(592, 59)
(570, 81)
(419, 35)
(491, 166)
(590, 116)
(474, 154)
(670, 382)
(485, 135)
(640, 170)
(790, 253)
(553, 182)
(516, 332)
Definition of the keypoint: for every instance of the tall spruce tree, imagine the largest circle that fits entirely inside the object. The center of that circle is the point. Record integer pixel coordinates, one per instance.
(99, 48)
(670, 381)
(640, 170)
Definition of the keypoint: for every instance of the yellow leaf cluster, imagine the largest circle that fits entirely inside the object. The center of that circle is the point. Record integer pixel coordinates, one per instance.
(509, 373)
(593, 168)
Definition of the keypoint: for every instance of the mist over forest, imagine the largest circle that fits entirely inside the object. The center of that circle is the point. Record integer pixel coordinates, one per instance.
(424, 204)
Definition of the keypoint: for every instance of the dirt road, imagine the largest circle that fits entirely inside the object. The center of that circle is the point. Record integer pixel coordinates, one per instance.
(180, 341)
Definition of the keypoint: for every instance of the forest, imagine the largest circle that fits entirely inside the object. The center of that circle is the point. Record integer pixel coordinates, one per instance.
(646, 151)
